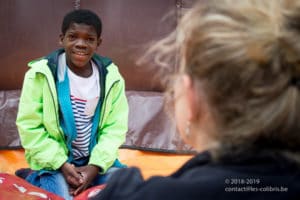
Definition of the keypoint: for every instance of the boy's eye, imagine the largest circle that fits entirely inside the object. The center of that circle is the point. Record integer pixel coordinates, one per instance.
(71, 37)
(91, 39)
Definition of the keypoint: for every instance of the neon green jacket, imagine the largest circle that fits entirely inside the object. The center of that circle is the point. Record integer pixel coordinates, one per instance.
(39, 114)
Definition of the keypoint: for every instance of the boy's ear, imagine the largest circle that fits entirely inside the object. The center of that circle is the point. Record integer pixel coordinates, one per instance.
(99, 41)
(61, 37)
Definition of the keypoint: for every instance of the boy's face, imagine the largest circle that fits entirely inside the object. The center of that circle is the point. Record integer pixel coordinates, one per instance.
(80, 42)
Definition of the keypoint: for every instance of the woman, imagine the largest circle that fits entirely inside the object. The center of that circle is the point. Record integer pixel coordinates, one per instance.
(236, 100)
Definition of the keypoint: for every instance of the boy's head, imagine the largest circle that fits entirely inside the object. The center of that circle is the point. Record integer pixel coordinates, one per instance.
(82, 16)
(80, 38)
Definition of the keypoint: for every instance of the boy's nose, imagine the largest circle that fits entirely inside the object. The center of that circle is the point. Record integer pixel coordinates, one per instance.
(81, 43)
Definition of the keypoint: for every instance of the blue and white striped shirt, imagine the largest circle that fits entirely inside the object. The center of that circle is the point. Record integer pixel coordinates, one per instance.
(84, 98)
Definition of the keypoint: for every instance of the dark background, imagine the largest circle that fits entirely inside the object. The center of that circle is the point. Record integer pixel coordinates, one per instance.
(30, 29)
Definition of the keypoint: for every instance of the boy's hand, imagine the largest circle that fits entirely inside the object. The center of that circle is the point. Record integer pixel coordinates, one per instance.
(72, 177)
(88, 174)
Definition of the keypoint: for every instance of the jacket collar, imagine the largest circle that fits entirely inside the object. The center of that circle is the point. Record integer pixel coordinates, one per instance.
(52, 58)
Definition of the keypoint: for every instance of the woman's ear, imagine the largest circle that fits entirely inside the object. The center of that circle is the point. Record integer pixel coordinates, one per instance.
(192, 99)
(61, 38)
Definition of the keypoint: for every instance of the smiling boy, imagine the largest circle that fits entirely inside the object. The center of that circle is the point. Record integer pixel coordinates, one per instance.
(73, 111)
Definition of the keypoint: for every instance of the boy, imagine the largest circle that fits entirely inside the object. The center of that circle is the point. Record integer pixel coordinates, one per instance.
(73, 111)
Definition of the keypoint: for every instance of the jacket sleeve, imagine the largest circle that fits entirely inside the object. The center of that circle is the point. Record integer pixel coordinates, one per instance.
(42, 150)
(114, 125)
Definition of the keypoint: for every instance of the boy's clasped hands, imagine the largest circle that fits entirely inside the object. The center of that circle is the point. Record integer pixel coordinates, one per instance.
(79, 178)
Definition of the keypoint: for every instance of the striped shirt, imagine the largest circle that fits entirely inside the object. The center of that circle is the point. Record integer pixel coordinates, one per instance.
(84, 98)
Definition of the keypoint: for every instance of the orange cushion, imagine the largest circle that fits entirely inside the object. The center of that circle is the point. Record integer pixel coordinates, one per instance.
(151, 163)
(11, 160)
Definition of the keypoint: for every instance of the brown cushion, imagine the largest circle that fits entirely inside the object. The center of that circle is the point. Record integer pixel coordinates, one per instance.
(149, 128)
(9, 137)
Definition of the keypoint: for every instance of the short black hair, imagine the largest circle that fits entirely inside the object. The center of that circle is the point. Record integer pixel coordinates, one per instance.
(82, 16)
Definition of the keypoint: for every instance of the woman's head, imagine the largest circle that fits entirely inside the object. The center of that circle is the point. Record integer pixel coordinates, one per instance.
(241, 61)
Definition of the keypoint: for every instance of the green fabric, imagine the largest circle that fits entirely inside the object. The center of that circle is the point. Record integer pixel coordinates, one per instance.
(38, 120)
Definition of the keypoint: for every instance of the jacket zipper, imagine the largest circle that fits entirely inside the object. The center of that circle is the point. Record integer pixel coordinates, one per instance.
(104, 102)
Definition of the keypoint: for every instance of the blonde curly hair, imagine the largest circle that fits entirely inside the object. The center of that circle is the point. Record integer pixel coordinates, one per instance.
(247, 54)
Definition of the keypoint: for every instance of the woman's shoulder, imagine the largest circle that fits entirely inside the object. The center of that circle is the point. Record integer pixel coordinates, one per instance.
(203, 177)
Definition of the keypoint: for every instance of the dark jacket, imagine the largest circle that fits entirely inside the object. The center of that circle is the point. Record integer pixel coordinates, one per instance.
(261, 176)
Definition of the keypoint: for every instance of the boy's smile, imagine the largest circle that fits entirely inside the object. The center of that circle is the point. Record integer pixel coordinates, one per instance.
(80, 42)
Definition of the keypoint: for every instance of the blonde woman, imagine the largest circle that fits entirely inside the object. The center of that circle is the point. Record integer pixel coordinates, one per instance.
(236, 99)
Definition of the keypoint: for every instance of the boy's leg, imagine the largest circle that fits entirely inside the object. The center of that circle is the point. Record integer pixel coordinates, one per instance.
(52, 182)
(57, 184)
